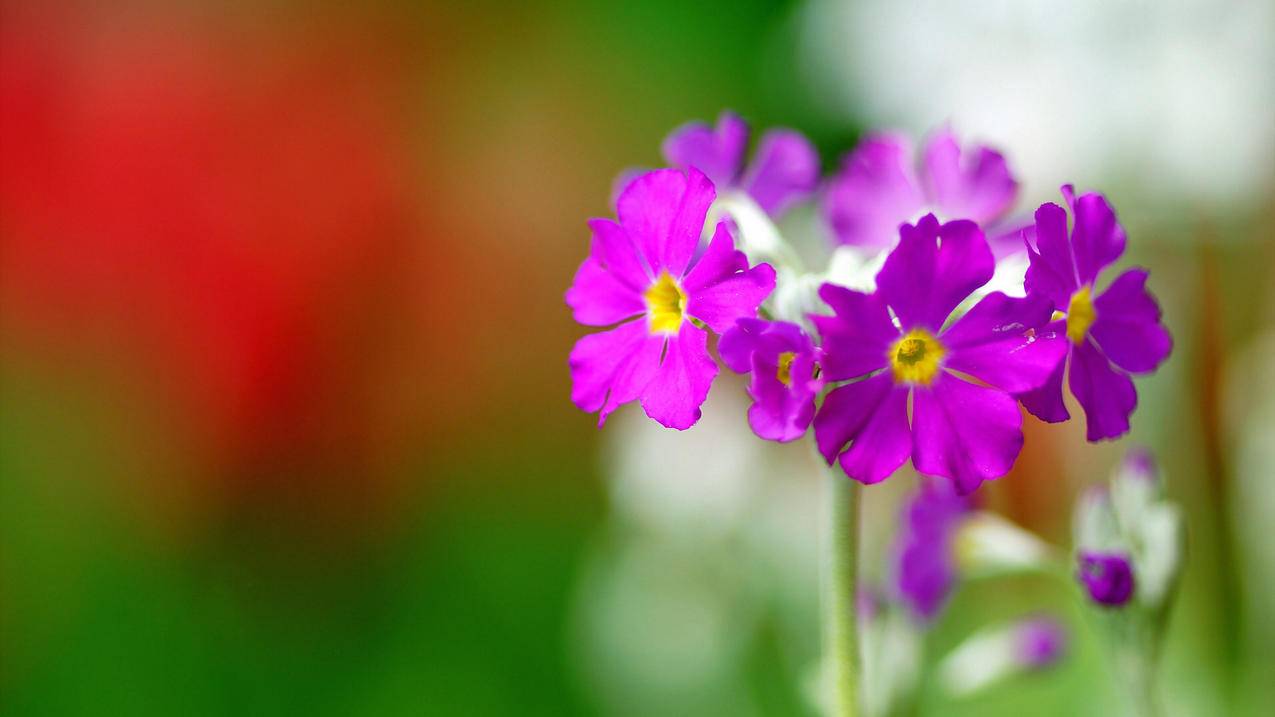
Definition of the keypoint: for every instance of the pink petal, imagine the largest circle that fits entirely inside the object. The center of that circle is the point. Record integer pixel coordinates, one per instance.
(717, 152)
(923, 279)
(663, 212)
(1128, 327)
(1003, 341)
(1097, 239)
(720, 288)
(875, 191)
(978, 186)
(872, 414)
(784, 169)
(857, 339)
(674, 396)
(611, 368)
(965, 432)
(1106, 393)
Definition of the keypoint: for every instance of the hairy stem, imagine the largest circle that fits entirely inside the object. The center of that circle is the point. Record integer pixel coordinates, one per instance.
(841, 639)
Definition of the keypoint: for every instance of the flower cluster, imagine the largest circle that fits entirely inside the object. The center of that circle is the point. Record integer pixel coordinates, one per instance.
(930, 366)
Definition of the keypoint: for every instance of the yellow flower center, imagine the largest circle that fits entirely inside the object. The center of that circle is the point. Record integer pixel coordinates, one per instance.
(915, 357)
(665, 305)
(1080, 315)
(784, 374)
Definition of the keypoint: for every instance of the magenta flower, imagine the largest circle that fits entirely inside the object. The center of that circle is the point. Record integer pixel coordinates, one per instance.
(1107, 577)
(785, 370)
(925, 554)
(640, 275)
(959, 429)
(1110, 336)
(785, 167)
(881, 186)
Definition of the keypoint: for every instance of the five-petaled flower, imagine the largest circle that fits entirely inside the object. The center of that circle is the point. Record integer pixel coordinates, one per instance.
(1112, 334)
(784, 169)
(881, 186)
(785, 375)
(959, 429)
(645, 273)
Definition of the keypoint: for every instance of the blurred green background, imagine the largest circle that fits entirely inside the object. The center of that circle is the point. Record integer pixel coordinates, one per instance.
(284, 416)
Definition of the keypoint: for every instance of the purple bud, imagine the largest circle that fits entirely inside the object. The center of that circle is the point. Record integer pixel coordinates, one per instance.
(1040, 642)
(1107, 576)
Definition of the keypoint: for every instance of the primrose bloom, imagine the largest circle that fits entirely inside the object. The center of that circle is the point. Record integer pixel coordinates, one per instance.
(1108, 577)
(880, 186)
(959, 429)
(785, 375)
(925, 559)
(644, 274)
(784, 170)
(1111, 334)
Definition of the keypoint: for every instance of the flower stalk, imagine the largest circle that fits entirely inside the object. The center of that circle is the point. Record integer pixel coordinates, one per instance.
(841, 634)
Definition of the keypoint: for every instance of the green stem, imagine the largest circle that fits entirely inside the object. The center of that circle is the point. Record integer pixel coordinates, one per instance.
(840, 620)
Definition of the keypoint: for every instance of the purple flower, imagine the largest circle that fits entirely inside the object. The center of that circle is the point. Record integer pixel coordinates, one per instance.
(785, 372)
(1041, 641)
(880, 187)
(959, 429)
(1110, 336)
(1107, 576)
(925, 556)
(785, 167)
(640, 272)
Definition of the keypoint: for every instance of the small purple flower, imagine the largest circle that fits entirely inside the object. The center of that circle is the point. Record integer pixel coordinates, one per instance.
(784, 170)
(1107, 576)
(1041, 642)
(1140, 464)
(1110, 336)
(640, 272)
(959, 429)
(785, 372)
(925, 555)
(880, 187)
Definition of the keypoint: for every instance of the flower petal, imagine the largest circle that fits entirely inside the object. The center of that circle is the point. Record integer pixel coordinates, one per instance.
(721, 289)
(674, 396)
(923, 279)
(663, 212)
(965, 432)
(1003, 341)
(613, 367)
(739, 342)
(784, 169)
(857, 339)
(598, 298)
(873, 414)
(875, 191)
(1052, 271)
(1128, 326)
(717, 152)
(980, 188)
(779, 412)
(1046, 402)
(1097, 239)
(1106, 393)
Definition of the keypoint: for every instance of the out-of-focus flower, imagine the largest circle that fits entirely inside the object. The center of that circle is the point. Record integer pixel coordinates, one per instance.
(1116, 332)
(641, 272)
(784, 169)
(785, 375)
(925, 558)
(881, 185)
(959, 430)
(1108, 577)
(1041, 642)
(1001, 652)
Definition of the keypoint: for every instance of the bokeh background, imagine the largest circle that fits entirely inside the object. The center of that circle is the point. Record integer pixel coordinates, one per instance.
(284, 416)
